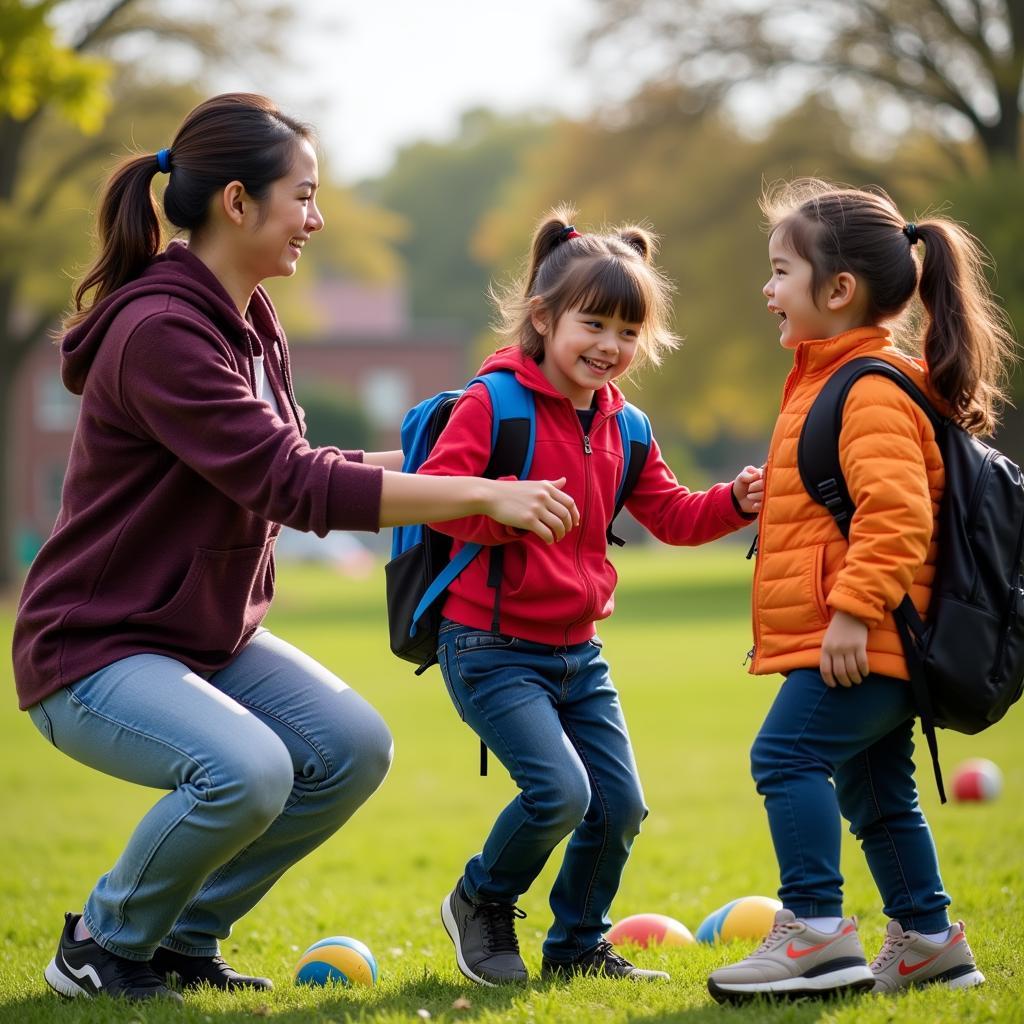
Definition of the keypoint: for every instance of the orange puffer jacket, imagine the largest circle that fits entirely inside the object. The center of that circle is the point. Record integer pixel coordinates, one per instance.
(893, 469)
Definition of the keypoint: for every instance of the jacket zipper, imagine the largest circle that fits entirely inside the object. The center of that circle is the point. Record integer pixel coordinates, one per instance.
(584, 516)
(787, 392)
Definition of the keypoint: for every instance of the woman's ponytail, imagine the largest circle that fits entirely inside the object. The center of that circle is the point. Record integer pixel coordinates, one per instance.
(129, 233)
(968, 344)
(237, 136)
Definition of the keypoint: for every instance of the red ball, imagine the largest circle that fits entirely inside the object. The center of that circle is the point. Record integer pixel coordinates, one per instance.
(977, 780)
(648, 930)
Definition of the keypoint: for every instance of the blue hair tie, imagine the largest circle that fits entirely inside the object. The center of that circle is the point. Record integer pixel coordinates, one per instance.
(163, 161)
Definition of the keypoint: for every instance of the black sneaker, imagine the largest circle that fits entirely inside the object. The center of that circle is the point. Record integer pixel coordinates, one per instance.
(183, 971)
(484, 935)
(603, 960)
(86, 969)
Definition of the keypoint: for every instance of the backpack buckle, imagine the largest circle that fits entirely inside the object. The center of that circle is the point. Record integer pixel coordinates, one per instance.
(828, 491)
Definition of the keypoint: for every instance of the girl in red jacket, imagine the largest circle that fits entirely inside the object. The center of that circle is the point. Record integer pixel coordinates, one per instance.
(837, 741)
(535, 686)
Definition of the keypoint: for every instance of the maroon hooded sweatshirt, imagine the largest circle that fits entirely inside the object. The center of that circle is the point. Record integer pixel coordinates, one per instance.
(178, 480)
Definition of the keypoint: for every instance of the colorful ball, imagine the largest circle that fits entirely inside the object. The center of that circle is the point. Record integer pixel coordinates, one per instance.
(339, 959)
(649, 930)
(749, 917)
(977, 779)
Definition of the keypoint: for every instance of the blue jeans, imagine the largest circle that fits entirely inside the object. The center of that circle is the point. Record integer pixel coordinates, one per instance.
(860, 737)
(552, 717)
(262, 762)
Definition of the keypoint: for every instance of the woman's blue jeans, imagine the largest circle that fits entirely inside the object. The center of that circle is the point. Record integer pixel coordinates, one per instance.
(860, 737)
(262, 762)
(552, 716)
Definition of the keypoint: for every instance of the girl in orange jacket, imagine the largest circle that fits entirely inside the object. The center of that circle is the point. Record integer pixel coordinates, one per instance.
(837, 740)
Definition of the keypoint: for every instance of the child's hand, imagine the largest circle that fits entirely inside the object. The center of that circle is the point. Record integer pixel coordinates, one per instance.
(536, 506)
(749, 489)
(844, 651)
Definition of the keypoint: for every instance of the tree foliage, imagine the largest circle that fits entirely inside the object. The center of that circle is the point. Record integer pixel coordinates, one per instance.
(688, 173)
(81, 88)
(442, 190)
(960, 59)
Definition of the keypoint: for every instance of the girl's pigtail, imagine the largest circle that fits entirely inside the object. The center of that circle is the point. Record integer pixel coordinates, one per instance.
(550, 233)
(645, 243)
(129, 234)
(968, 343)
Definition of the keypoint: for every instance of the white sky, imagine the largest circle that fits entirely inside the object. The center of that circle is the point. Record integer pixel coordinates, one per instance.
(391, 71)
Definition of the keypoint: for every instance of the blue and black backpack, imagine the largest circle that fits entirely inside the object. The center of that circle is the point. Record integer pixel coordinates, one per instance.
(421, 567)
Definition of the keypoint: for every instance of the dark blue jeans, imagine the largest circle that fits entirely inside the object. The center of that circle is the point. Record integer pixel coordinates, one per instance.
(860, 737)
(552, 717)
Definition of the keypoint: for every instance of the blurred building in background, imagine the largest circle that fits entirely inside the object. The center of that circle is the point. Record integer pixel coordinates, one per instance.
(372, 355)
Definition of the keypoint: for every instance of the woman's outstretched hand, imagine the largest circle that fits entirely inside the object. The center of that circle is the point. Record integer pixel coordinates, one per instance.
(537, 506)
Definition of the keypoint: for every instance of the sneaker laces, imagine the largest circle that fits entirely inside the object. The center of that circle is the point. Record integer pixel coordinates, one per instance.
(499, 921)
(137, 974)
(604, 952)
(778, 930)
(891, 945)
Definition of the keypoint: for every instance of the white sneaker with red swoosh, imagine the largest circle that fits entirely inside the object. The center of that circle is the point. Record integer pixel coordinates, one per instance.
(796, 960)
(908, 958)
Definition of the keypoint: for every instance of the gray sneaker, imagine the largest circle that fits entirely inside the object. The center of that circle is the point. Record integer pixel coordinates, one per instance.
(485, 940)
(796, 960)
(907, 958)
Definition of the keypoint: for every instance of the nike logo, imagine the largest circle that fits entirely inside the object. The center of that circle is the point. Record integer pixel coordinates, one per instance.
(906, 968)
(794, 954)
(88, 971)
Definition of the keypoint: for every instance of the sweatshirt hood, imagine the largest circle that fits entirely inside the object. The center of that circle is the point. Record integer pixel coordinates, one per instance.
(177, 274)
(609, 398)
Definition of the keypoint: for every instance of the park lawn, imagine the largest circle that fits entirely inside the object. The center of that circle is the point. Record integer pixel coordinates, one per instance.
(676, 645)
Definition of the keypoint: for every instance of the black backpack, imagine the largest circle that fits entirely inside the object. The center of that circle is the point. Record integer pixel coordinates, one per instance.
(966, 661)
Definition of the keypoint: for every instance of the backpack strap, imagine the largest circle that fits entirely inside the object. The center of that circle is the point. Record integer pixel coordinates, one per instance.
(635, 431)
(513, 435)
(818, 448)
(513, 432)
(822, 476)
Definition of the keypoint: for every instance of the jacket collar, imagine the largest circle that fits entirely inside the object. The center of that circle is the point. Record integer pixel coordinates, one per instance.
(824, 355)
(609, 398)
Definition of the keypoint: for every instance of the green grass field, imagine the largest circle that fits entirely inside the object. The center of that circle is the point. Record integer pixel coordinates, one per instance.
(676, 645)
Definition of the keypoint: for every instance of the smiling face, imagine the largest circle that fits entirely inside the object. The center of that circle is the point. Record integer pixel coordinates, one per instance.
(584, 351)
(285, 220)
(790, 297)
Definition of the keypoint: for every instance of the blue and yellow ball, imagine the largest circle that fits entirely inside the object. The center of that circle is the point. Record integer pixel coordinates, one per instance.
(749, 917)
(338, 959)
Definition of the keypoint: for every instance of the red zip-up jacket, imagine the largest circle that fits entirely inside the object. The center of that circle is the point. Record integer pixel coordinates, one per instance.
(554, 593)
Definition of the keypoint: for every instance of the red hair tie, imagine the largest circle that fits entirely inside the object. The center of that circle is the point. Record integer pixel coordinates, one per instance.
(569, 232)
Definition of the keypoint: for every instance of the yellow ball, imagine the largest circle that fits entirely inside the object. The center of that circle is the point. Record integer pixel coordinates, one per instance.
(751, 917)
(340, 959)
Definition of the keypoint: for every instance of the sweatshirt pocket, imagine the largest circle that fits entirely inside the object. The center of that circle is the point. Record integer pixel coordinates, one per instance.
(223, 596)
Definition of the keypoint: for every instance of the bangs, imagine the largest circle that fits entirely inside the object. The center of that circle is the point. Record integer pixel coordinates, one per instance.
(606, 287)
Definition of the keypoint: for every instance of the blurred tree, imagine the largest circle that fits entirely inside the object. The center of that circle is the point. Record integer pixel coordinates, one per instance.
(669, 161)
(442, 190)
(80, 86)
(951, 58)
